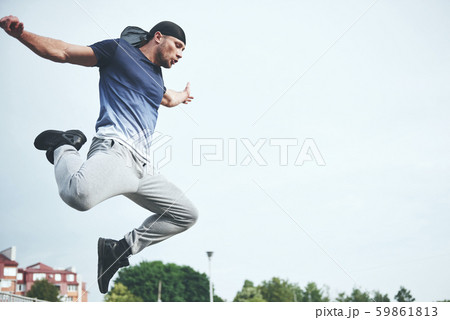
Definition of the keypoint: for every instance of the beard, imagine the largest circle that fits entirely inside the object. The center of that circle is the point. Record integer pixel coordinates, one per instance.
(162, 60)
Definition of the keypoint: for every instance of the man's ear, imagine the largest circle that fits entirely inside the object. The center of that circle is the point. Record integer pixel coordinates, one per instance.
(158, 37)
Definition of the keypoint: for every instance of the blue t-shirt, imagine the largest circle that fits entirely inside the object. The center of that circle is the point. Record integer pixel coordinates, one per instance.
(131, 90)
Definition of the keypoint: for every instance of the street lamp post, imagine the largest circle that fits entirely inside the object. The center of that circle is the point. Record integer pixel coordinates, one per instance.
(211, 297)
(159, 291)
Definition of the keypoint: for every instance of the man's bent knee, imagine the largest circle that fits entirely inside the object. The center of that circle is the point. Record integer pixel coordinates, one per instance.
(192, 217)
(80, 201)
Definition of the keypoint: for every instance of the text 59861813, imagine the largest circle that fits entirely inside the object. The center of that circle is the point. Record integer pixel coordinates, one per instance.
(407, 311)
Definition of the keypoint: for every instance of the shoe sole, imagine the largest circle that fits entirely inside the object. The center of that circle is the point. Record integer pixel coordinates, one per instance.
(100, 246)
(41, 141)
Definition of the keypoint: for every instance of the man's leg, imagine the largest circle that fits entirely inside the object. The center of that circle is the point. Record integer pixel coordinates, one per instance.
(110, 170)
(173, 212)
(105, 174)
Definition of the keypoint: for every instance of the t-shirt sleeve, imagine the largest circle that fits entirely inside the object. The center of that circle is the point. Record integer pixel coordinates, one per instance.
(104, 51)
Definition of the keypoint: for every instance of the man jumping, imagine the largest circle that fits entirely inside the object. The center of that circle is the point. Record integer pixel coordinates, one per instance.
(118, 162)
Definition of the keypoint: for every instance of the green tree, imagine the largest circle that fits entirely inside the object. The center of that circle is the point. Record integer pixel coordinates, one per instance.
(249, 293)
(379, 297)
(216, 298)
(341, 297)
(404, 295)
(179, 283)
(278, 290)
(311, 293)
(356, 296)
(44, 290)
(120, 293)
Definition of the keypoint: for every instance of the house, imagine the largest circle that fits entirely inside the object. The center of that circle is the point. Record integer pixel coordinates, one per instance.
(19, 281)
(8, 270)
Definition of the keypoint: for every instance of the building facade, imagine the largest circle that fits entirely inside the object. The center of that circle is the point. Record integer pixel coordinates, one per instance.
(19, 281)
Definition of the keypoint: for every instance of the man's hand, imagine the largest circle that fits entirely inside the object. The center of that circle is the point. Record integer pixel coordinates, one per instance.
(12, 26)
(173, 98)
(187, 92)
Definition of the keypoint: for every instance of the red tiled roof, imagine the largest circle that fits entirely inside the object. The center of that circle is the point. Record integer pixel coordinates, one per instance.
(43, 268)
(6, 261)
(38, 267)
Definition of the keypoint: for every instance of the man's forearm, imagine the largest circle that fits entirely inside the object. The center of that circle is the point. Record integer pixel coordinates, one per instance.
(174, 98)
(44, 47)
(48, 48)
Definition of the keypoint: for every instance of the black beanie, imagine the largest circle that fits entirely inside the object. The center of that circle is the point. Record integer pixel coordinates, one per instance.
(168, 28)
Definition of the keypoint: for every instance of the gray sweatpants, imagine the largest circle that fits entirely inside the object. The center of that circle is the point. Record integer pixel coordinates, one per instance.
(111, 170)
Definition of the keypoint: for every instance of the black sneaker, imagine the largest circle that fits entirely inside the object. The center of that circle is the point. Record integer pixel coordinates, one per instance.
(110, 259)
(50, 140)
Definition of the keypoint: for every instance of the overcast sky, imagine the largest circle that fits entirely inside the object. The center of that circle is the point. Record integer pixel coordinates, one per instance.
(375, 103)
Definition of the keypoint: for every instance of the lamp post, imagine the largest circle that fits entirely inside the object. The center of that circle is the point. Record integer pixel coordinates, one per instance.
(159, 291)
(211, 297)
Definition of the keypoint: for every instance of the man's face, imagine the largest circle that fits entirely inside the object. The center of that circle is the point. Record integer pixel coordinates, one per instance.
(170, 51)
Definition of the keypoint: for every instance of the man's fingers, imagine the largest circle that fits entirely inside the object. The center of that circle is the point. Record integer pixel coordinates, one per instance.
(188, 90)
(11, 23)
(6, 24)
(13, 26)
(3, 21)
(189, 99)
(18, 27)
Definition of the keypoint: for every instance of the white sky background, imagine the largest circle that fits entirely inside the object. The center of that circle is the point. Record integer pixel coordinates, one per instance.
(376, 105)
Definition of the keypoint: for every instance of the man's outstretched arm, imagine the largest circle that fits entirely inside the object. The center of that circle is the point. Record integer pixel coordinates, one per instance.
(173, 98)
(48, 48)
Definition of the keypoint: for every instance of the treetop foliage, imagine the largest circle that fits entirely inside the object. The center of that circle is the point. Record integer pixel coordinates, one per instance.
(44, 290)
(279, 290)
(182, 283)
(120, 293)
(178, 283)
